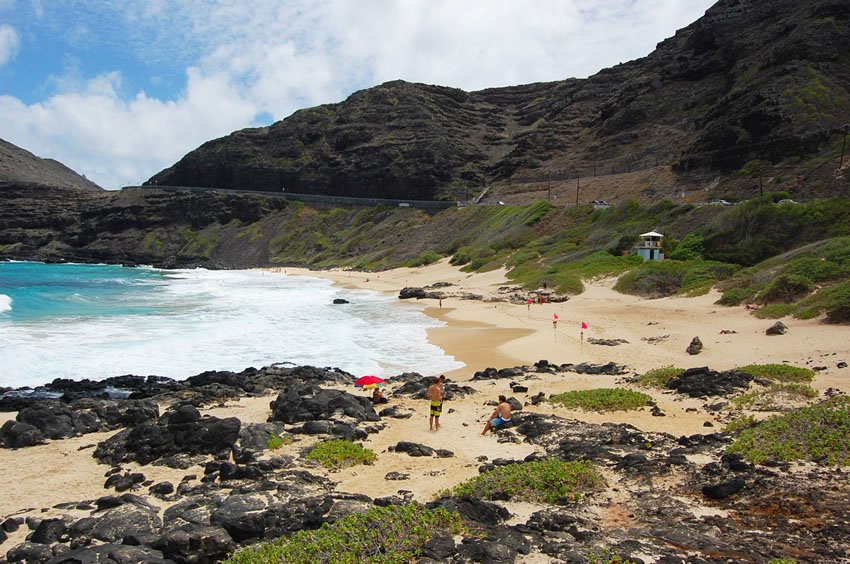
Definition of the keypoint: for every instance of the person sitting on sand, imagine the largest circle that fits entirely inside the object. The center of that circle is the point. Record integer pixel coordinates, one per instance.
(378, 397)
(436, 395)
(500, 416)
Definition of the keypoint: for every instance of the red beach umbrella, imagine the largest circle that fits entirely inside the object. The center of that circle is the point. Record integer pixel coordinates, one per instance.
(369, 382)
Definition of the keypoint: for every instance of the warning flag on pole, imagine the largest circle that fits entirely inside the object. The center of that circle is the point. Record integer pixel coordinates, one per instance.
(583, 325)
(555, 316)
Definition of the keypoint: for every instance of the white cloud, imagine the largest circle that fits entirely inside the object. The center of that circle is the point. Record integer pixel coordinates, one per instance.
(268, 56)
(8, 43)
(117, 142)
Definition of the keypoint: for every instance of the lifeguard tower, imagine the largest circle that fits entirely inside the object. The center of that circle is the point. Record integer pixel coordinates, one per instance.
(649, 246)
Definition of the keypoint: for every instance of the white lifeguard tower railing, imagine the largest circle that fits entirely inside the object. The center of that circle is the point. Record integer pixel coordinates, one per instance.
(649, 246)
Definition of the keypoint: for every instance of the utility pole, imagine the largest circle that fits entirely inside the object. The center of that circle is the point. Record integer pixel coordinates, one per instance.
(843, 145)
(577, 187)
(548, 185)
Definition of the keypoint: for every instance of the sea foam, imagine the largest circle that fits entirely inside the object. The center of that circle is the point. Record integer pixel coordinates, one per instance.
(182, 322)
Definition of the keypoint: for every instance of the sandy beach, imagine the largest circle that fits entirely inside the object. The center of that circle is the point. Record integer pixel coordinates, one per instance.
(485, 333)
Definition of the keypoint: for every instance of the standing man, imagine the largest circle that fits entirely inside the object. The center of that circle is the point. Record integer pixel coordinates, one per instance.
(436, 395)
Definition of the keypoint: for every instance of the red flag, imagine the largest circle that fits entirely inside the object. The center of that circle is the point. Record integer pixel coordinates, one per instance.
(556, 315)
(583, 325)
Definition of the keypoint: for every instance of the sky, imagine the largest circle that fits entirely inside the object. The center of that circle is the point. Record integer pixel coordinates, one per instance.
(121, 89)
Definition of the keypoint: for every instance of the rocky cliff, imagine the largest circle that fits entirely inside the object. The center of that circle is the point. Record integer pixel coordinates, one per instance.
(753, 86)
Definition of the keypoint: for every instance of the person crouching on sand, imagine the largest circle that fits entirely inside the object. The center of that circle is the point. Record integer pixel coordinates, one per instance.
(436, 395)
(500, 416)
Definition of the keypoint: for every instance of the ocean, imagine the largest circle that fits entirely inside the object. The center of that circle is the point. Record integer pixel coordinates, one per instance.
(95, 321)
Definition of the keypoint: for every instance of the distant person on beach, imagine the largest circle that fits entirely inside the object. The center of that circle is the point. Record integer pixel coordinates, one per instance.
(500, 416)
(436, 395)
(378, 397)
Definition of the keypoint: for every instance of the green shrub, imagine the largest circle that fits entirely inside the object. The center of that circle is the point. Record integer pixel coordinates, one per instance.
(659, 377)
(424, 259)
(816, 268)
(740, 423)
(340, 454)
(785, 289)
(820, 432)
(605, 556)
(461, 256)
(602, 399)
(775, 311)
(657, 279)
(736, 296)
(543, 480)
(690, 248)
(278, 441)
(653, 279)
(475, 264)
(624, 245)
(782, 373)
(386, 535)
(836, 303)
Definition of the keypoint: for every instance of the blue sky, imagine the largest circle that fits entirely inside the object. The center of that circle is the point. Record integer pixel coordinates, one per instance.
(119, 90)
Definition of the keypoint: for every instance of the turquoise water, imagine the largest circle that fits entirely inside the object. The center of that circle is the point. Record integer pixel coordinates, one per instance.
(50, 291)
(95, 321)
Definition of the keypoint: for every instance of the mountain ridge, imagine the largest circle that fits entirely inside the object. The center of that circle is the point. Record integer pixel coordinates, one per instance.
(18, 165)
(749, 81)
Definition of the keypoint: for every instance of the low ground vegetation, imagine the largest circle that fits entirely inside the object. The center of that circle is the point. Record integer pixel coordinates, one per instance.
(782, 373)
(602, 399)
(383, 535)
(776, 397)
(336, 454)
(548, 480)
(818, 432)
(659, 377)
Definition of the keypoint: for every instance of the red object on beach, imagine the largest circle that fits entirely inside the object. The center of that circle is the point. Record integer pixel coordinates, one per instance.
(583, 325)
(556, 316)
(369, 381)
